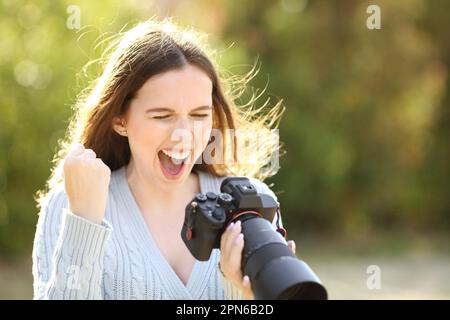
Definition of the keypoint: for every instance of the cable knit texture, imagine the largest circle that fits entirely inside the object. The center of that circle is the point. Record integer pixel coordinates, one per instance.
(74, 258)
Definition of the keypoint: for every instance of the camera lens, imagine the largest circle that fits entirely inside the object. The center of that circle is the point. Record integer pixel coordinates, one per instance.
(265, 255)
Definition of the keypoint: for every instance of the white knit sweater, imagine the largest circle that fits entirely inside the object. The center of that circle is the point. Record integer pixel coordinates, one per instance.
(74, 258)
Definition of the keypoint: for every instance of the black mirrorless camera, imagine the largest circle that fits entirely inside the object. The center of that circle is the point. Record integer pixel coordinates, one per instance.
(274, 271)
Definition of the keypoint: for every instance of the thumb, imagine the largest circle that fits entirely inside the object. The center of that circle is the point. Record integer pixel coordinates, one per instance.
(292, 246)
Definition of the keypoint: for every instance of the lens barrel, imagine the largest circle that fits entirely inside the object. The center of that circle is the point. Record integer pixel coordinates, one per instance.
(274, 271)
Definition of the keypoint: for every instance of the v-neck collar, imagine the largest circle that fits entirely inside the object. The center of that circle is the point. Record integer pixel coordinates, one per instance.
(198, 279)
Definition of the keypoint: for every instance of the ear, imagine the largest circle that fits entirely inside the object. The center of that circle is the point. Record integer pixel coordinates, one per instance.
(119, 125)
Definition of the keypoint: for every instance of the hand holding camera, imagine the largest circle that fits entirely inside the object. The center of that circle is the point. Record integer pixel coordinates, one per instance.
(231, 245)
(272, 268)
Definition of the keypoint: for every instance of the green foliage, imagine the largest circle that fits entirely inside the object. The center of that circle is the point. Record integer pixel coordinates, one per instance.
(366, 126)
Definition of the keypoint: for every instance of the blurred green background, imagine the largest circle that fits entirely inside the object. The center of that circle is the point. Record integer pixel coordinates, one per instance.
(366, 177)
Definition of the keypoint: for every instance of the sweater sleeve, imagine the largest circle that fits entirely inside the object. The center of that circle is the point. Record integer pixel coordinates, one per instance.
(230, 291)
(68, 252)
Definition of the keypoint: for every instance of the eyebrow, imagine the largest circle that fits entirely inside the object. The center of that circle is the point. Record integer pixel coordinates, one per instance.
(171, 110)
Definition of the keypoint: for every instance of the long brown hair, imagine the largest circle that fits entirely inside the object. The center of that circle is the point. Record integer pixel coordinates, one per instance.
(150, 48)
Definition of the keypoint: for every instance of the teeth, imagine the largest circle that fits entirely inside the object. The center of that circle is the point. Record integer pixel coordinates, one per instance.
(177, 155)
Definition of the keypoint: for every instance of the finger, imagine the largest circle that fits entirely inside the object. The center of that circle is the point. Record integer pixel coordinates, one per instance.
(235, 255)
(246, 282)
(76, 150)
(225, 236)
(234, 232)
(100, 162)
(292, 246)
(247, 287)
(89, 153)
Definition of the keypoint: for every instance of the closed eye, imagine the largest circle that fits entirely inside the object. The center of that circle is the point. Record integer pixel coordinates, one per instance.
(167, 116)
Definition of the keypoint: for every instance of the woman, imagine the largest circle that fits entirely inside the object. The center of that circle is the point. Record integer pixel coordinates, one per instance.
(109, 226)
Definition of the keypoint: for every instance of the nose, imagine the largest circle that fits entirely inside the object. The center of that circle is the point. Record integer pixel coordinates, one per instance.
(183, 132)
(183, 123)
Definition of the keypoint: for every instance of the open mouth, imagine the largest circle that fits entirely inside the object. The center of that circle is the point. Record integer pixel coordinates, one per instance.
(172, 162)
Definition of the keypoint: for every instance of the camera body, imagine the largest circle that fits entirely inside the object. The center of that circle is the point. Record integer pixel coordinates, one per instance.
(207, 215)
(274, 270)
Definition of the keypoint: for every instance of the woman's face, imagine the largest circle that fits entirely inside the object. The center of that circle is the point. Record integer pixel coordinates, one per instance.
(169, 123)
